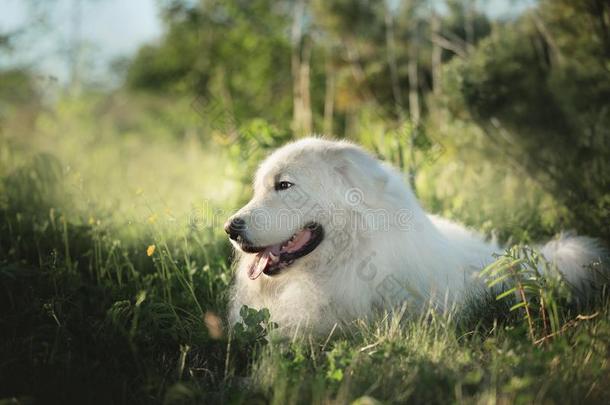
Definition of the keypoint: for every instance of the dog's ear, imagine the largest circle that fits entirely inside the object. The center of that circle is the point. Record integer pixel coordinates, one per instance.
(362, 174)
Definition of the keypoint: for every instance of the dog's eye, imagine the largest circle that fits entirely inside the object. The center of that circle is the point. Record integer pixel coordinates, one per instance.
(283, 185)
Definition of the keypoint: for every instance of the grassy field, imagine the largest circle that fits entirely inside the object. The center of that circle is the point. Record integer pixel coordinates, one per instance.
(114, 275)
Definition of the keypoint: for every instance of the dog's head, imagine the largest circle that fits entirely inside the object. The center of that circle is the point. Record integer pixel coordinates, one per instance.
(304, 196)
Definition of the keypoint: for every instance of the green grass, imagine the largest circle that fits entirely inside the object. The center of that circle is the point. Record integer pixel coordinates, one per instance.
(91, 313)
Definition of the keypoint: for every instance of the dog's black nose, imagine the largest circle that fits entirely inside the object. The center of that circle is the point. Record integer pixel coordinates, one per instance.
(235, 227)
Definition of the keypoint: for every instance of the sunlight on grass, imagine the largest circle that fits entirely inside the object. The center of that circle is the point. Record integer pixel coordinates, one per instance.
(124, 179)
(113, 249)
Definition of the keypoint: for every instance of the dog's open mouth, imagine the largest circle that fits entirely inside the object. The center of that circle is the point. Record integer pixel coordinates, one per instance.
(272, 259)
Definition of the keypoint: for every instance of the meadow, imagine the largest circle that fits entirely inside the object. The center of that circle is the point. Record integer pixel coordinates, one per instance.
(114, 273)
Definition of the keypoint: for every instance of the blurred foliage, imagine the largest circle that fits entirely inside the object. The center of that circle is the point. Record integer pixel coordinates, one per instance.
(18, 88)
(544, 106)
(231, 53)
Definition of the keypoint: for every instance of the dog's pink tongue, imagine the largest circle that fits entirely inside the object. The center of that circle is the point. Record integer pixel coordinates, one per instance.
(262, 260)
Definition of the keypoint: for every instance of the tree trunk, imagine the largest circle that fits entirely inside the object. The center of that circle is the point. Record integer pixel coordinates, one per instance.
(437, 53)
(300, 66)
(391, 55)
(469, 24)
(556, 55)
(329, 96)
(295, 61)
(412, 68)
(304, 82)
(414, 107)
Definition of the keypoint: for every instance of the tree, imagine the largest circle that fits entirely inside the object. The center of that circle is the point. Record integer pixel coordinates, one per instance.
(233, 53)
(546, 113)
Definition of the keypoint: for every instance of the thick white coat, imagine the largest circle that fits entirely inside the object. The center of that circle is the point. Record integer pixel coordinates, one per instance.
(380, 247)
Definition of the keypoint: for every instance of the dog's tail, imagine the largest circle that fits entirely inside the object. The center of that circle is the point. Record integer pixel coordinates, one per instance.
(580, 259)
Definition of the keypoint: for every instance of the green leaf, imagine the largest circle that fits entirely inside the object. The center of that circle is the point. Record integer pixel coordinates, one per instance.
(506, 293)
(336, 375)
(518, 305)
(498, 280)
(491, 267)
(529, 287)
(515, 262)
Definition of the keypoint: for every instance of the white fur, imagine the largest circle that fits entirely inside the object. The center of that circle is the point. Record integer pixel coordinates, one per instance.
(411, 257)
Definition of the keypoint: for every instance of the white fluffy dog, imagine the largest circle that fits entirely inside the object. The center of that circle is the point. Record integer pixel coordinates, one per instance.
(332, 234)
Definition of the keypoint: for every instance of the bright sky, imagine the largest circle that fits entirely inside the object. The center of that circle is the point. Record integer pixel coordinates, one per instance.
(111, 29)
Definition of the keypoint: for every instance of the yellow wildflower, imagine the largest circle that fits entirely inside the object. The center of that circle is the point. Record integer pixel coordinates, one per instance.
(150, 250)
